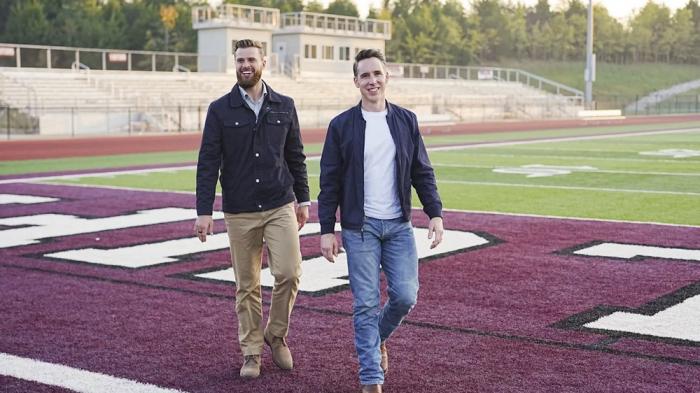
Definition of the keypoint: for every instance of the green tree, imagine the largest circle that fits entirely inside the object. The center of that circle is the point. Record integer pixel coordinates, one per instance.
(517, 30)
(609, 36)
(342, 7)
(683, 39)
(539, 14)
(27, 24)
(314, 6)
(5, 9)
(694, 9)
(648, 32)
(491, 21)
(562, 45)
(113, 25)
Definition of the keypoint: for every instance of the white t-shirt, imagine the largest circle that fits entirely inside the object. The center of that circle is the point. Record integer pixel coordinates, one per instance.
(381, 196)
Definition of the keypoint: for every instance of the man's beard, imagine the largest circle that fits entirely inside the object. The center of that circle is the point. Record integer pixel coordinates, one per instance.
(246, 83)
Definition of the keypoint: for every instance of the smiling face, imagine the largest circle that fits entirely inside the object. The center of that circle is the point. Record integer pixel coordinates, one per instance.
(371, 79)
(249, 66)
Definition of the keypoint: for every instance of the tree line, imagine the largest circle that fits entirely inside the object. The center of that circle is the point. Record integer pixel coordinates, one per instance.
(423, 31)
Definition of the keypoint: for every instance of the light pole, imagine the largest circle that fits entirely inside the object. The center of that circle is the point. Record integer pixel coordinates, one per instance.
(589, 74)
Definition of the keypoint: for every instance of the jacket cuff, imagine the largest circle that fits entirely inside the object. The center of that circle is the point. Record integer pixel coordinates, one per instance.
(204, 212)
(434, 211)
(327, 228)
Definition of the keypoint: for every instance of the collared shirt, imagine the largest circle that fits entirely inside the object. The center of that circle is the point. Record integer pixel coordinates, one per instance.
(254, 105)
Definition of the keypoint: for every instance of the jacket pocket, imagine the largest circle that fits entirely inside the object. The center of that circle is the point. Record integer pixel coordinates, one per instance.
(236, 133)
(276, 127)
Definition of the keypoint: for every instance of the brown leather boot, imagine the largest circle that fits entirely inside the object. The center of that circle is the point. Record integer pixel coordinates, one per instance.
(251, 366)
(384, 363)
(281, 355)
(371, 388)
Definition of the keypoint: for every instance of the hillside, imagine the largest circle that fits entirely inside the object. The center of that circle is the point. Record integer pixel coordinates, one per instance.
(614, 82)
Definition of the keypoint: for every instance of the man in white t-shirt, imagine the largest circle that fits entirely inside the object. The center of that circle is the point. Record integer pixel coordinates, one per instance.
(372, 156)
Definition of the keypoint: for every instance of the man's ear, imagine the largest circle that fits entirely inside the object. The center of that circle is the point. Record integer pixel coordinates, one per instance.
(355, 81)
(264, 61)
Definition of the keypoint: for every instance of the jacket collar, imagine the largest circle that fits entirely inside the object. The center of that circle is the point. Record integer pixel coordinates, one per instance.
(235, 99)
(389, 108)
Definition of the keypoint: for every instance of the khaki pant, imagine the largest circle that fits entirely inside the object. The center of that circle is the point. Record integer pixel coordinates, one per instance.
(246, 232)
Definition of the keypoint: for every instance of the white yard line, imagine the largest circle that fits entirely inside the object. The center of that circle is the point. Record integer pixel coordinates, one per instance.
(561, 139)
(72, 378)
(483, 183)
(577, 170)
(588, 158)
(100, 174)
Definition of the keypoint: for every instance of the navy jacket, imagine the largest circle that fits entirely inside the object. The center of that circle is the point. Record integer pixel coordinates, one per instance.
(342, 168)
(260, 163)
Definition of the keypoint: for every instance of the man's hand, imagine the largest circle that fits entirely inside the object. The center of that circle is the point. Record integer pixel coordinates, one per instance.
(202, 226)
(329, 246)
(302, 215)
(435, 227)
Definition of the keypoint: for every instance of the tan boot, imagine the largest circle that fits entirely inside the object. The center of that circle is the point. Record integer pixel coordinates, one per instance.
(251, 366)
(371, 388)
(384, 363)
(281, 355)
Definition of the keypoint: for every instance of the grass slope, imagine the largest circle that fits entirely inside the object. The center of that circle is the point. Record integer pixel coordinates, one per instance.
(627, 80)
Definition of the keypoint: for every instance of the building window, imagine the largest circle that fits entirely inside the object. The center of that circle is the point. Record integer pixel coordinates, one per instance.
(328, 52)
(310, 51)
(344, 53)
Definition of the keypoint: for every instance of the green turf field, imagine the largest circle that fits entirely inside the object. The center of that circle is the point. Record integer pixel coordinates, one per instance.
(619, 177)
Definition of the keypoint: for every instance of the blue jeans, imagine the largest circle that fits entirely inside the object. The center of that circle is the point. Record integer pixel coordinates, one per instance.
(388, 244)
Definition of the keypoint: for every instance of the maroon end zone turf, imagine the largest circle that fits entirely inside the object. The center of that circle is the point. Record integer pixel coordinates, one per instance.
(504, 317)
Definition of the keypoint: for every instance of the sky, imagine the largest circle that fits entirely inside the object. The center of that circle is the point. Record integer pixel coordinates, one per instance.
(620, 9)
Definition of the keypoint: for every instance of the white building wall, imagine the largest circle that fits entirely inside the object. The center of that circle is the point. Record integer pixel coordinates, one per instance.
(286, 46)
(215, 46)
(322, 66)
(211, 50)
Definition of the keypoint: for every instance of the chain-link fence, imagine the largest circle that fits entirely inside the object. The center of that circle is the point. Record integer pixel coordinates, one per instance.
(639, 106)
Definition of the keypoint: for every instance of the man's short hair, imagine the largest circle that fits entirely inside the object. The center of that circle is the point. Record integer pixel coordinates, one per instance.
(367, 54)
(246, 43)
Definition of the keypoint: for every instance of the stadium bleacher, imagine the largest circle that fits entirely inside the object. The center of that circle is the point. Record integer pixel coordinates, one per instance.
(95, 101)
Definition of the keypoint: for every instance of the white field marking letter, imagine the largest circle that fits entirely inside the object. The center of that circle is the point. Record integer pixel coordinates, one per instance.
(630, 251)
(321, 275)
(42, 226)
(680, 321)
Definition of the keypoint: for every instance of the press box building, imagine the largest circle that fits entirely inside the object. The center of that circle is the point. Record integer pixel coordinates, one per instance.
(299, 44)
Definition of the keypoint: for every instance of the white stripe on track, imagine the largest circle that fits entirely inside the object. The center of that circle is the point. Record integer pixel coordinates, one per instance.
(72, 378)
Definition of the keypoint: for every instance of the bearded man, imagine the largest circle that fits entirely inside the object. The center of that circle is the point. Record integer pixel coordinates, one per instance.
(252, 145)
